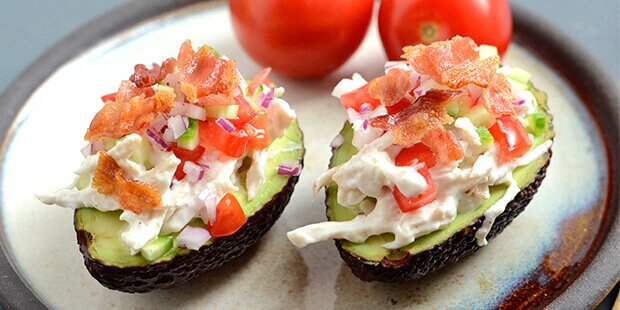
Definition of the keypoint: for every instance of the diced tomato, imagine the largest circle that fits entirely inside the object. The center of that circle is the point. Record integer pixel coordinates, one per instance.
(245, 114)
(229, 217)
(399, 106)
(407, 204)
(261, 78)
(108, 97)
(511, 137)
(186, 155)
(257, 130)
(419, 152)
(356, 98)
(213, 136)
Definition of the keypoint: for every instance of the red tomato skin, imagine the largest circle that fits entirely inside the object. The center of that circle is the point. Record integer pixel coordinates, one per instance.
(258, 130)
(212, 136)
(408, 204)
(186, 155)
(108, 97)
(419, 152)
(354, 99)
(401, 23)
(510, 137)
(301, 38)
(229, 217)
(245, 113)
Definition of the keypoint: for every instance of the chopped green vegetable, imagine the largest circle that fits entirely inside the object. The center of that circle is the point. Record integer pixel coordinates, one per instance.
(215, 52)
(536, 123)
(519, 75)
(479, 116)
(83, 181)
(168, 89)
(190, 138)
(485, 136)
(156, 248)
(222, 111)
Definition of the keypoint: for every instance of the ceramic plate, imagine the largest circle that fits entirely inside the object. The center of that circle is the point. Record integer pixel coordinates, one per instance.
(569, 227)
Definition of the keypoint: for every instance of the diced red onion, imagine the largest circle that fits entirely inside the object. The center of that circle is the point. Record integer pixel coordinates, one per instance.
(338, 141)
(193, 237)
(168, 136)
(225, 124)
(518, 102)
(177, 124)
(156, 139)
(189, 110)
(394, 64)
(210, 202)
(86, 150)
(96, 146)
(265, 98)
(159, 123)
(194, 172)
(365, 124)
(196, 112)
(365, 107)
(288, 170)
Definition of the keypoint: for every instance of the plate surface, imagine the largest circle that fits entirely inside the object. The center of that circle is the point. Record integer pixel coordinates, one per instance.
(532, 262)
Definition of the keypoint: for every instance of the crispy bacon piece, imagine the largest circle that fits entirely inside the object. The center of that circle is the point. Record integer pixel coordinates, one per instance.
(479, 72)
(135, 196)
(208, 73)
(392, 87)
(145, 77)
(215, 99)
(103, 180)
(131, 111)
(437, 58)
(445, 145)
(497, 97)
(412, 123)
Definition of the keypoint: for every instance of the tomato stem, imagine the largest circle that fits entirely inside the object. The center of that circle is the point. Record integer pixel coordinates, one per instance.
(429, 32)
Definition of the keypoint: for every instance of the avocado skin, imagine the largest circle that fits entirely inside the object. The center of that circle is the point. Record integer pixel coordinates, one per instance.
(454, 248)
(186, 267)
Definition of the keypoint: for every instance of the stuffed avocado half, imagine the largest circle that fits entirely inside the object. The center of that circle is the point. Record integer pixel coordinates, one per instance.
(187, 166)
(437, 157)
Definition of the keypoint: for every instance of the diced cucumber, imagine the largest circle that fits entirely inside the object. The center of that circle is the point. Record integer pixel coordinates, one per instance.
(190, 138)
(453, 108)
(222, 111)
(479, 116)
(164, 88)
(515, 85)
(156, 248)
(536, 123)
(486, 139)
(519, 75)
(83, 181)
(458, 106)
(487, 51)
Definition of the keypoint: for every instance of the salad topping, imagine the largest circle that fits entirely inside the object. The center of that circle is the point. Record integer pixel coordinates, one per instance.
(173, 144)
(432, 136)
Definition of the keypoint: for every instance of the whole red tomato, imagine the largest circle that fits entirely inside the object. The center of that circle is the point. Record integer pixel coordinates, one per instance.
(410, 22)
(301, 38)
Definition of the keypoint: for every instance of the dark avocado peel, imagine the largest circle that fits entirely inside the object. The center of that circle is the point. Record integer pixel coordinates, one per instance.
(370, 261)
(110, 262)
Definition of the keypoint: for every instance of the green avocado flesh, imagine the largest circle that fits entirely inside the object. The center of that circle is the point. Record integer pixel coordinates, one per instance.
(105, 227)
(372, 250)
